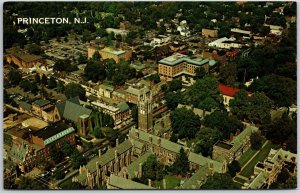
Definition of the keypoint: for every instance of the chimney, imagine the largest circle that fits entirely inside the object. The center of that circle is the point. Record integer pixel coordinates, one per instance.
(99, 153)
(80, 170)
(231, 137)
(117, 142)
(140, 169)
(238, 132)
(158, 140)
(149, 182)
(116, 154)
(164, 184)
(165, 135)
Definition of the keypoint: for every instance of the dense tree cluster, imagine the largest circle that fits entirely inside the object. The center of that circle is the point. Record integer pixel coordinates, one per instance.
(185, 123)
(255, 108)
(225, 123)
(282, 90)
(204, 94)
(283, 132)
(74, 90)
(100, 70)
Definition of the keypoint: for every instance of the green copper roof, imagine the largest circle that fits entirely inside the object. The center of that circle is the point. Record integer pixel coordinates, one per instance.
(123, 106)
(123, 183)
(179, 58)
(133, 168)
(59, 135)
(112, 51)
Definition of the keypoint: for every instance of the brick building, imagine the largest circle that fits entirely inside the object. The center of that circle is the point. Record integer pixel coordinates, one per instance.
(25, 60)
(179, 64)
(108, 52)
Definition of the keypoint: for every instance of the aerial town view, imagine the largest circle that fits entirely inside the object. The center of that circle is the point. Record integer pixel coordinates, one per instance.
(149, 95)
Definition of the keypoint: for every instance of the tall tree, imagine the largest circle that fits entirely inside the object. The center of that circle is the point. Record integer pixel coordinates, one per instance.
(204, 94)
(152, 169)
(74, 90)
(14, 76)
(256, 140)
(233, 168)
(181, 163)
(255, 108)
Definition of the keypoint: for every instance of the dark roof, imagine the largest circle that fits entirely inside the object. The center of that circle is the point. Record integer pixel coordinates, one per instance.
(41, 102)
(27, 57)
(51, 130)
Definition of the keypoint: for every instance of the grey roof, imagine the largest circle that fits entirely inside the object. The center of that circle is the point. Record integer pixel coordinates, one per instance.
(105, 158)
(164, 143)
(123, 183)
(72, 110)
(134, 166)
(137, 91)
(197, 179)
(41, 102)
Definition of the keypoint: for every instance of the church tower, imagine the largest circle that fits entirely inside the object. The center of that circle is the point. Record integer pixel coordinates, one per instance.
(145, 118)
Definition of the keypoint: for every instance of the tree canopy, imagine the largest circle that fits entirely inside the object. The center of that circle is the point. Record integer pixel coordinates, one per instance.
(185, 123)
(152, 169)
(219, 181)
(255, 108)
(204, 94)
(74, 90)
(282, 90)
(181, 163)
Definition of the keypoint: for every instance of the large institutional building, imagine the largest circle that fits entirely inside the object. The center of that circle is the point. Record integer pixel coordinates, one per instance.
(108, 52)
(179, 64)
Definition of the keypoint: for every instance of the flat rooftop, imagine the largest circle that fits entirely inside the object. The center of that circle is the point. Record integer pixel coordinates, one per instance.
(112, 51)
(179, 58)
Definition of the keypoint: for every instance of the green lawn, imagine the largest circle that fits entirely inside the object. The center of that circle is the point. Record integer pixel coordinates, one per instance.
(66, 183)
(248, 170)
(246, 156)
(171, 182)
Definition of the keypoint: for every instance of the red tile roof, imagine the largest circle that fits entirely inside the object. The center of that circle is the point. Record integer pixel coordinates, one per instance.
(227, 90)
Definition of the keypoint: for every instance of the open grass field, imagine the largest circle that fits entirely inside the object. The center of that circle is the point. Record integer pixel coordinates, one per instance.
(262, 154)
(171, 182)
